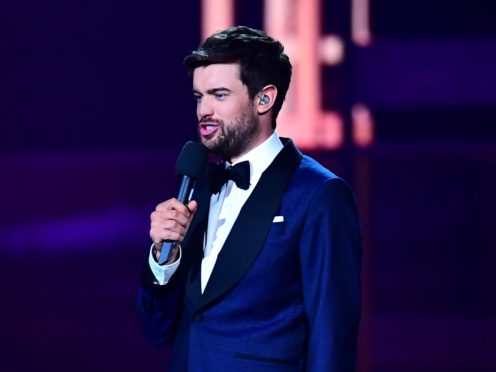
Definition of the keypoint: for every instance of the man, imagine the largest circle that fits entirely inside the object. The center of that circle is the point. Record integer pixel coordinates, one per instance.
(267, 275)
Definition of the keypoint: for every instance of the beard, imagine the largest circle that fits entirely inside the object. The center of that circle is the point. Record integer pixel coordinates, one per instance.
(234, 138)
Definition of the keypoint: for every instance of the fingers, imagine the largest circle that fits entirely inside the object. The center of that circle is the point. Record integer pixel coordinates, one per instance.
(167, 226)
(192, 206)
(172, 204)
(170, 220)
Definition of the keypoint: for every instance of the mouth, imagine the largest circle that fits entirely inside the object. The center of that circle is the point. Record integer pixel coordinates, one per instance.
(207, 129)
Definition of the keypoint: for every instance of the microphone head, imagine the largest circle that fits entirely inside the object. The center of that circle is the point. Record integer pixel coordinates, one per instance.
(192, 160)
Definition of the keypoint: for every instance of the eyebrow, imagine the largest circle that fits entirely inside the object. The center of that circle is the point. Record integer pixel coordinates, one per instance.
(213, 90)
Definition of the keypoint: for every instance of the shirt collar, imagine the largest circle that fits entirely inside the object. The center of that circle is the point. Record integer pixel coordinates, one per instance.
(262, 156)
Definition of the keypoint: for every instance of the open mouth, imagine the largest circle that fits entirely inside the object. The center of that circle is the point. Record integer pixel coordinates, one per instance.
(207, 129)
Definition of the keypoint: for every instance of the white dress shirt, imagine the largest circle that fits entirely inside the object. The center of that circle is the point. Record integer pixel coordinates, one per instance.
(224, 210)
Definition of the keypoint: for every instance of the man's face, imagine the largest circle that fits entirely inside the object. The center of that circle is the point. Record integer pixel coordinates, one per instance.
(228, 121)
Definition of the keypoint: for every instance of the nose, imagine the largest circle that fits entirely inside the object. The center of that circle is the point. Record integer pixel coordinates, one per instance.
(204, 108)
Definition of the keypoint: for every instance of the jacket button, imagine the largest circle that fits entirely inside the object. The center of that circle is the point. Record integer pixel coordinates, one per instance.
(198, 318)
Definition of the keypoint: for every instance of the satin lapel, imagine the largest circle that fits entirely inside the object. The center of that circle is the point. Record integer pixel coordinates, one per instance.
(250, 230)
(193, 243)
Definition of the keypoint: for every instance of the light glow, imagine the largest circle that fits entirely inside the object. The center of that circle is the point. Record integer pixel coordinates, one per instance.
(216, 15)
(362, 125)
(360, 24)
(302, 117)
(296, 23)
(331, 50)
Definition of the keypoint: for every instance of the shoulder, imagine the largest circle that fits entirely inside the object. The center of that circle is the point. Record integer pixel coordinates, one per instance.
(314, 184)
(311, 167)
(311, 175)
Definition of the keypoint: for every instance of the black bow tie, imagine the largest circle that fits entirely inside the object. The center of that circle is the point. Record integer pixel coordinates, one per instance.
(219, 176)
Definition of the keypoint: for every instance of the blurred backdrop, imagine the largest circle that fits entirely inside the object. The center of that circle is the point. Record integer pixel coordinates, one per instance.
(397, 97)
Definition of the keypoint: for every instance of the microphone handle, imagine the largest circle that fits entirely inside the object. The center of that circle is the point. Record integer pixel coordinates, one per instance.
(186, 189)
(184, 196)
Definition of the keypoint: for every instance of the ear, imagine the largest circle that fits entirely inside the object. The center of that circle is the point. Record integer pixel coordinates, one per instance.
(265, 99)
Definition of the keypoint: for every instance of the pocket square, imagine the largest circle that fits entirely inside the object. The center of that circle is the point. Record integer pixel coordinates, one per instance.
(278, 219)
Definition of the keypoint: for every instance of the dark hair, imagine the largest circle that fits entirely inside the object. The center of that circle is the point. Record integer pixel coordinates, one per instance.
(260, 57)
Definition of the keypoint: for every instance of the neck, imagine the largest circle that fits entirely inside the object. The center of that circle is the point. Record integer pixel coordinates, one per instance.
(253, 146)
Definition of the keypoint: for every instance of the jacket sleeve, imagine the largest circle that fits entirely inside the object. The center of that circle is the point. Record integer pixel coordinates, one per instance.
(330, 252)
(159, 307)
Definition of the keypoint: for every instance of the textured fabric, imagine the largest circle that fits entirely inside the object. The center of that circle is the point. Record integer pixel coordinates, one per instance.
(282, 296)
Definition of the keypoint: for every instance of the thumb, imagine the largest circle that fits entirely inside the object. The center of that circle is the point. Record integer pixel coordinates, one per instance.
(192, 206)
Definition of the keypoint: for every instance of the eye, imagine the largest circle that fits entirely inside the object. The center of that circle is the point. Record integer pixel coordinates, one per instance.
(198, 98)
(220, 96)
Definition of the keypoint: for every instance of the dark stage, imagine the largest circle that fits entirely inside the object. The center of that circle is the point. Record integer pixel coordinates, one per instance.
(95, 106)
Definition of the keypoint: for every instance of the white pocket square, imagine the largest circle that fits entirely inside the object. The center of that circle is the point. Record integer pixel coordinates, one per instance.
(278, 219)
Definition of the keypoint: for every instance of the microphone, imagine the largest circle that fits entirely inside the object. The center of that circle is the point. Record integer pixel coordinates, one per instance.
(190, 165)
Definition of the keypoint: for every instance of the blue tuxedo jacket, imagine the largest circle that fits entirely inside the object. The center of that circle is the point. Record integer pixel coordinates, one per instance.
(283, 296)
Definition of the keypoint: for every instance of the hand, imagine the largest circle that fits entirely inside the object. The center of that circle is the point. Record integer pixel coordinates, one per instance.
(170, 221)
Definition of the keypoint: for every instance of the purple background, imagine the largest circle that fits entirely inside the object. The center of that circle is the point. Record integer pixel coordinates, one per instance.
(95, 106)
